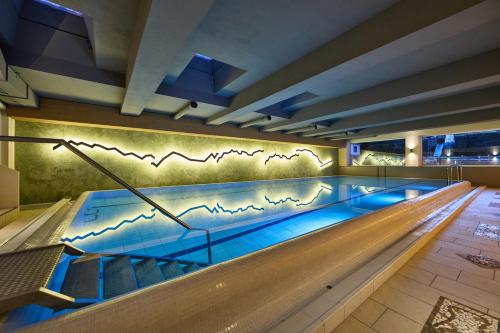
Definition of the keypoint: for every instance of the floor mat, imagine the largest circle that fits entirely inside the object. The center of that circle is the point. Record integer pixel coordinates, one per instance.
(450, 316)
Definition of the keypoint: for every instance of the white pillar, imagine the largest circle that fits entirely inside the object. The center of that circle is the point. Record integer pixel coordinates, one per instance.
(413, 150)
(345, 155)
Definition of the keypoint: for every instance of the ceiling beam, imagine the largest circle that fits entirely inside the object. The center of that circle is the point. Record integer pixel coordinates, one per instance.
(466, 102)
(162, 29)
(462, 75)
(442, 121)
(368, 43)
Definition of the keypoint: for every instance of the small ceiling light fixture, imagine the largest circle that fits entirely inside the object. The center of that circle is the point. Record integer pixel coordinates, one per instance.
(256, 121)
(185, 109)
(2, 106)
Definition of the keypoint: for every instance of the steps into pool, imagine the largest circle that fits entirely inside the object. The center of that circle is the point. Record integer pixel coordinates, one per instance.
(101, 277)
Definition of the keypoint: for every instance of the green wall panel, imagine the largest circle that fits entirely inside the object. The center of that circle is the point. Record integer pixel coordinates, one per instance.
(48, 175)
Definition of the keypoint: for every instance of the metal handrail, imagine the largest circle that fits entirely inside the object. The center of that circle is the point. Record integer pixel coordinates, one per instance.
(98, 167)
(459, 171)
(62, 142)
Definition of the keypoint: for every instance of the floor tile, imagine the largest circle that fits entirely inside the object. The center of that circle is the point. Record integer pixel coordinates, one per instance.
(478, 282)
(417, 274)
(459, 263)
(392, 322)
(470, 293)
(352, 325)
(405, 304)
(433, 267)
(369, 312)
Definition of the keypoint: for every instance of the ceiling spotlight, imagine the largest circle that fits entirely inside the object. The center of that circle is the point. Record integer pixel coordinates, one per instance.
(185, 109)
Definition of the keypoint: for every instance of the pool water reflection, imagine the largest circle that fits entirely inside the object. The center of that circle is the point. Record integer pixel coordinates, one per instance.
(242, 217)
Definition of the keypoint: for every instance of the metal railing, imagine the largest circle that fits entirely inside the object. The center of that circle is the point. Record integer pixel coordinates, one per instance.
(77, 152)
(449, 173)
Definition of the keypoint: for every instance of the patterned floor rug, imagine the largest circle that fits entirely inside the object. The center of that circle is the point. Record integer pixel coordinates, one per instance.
(488, 231)
(481, 261)
(452, 317)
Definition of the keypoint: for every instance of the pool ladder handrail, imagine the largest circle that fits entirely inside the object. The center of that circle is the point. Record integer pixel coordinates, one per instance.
(102, 169)
(459, 172)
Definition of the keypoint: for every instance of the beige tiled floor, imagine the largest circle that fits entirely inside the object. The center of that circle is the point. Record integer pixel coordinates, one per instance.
(404, 302)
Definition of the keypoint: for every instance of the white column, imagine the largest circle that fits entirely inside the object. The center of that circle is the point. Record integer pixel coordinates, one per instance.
(413, 150)
(345, 155)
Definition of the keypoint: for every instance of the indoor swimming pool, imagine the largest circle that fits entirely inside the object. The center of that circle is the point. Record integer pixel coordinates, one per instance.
(241, 217)
(139, 246)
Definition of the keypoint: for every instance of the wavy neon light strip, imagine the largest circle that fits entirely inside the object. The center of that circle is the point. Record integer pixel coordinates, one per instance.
(217, 209)
(384, 160)
(215, 156)
(322, 164)
(280, 156)
(97, 145)
(299, 150)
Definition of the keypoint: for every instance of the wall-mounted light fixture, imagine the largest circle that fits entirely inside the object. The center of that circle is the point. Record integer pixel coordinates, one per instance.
(411, 150)
(185, 109)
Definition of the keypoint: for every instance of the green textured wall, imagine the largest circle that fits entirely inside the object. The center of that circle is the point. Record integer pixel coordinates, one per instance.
(48, 175)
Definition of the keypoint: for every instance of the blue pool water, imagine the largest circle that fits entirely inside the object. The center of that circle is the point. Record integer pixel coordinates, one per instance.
(241, 217)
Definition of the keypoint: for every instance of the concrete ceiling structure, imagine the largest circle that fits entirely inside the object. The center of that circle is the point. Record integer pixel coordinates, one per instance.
(319, 69)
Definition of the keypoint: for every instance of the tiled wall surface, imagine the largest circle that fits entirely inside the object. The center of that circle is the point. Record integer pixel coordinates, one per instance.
(255, 292)
(48, 175)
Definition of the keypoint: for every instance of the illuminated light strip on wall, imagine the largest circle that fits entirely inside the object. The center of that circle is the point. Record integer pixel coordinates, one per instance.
(299, 150)
(322, 164)
(280, 156)
(382, 160)
(97, 145)
(215, 156)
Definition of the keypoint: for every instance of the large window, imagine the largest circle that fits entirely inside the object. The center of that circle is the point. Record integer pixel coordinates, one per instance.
(481, 148)
(390, 152)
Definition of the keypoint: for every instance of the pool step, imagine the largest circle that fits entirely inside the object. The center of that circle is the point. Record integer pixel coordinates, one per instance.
(171, 270)
(95, 276)
(191, 268)
(82, 279)
(148, 272)
(119, 277)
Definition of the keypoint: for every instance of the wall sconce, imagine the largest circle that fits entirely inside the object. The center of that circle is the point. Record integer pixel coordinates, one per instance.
(411, 150)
